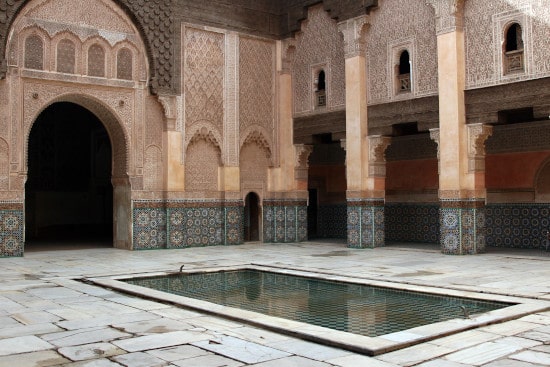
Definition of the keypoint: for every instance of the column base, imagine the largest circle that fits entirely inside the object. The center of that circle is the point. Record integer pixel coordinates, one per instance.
(366, 223)
(462, 226)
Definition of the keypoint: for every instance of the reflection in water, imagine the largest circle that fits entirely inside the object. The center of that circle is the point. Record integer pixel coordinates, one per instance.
(355, 308)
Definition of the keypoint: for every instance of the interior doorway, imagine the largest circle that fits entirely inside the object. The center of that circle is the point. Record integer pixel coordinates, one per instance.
(68, 193)
(252, 216)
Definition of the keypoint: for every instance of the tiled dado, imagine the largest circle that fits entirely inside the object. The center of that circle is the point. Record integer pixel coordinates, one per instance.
(180, 224)
(284, 221)
(331, 221)
(365, 223)
(407, 222)
(517, 225)
(462, 226)
(11, 229)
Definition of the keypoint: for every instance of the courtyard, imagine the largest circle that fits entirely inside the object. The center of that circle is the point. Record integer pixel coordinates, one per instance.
(49, 317)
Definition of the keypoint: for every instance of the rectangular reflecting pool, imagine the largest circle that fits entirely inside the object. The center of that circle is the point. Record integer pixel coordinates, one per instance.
(355, 308)
(362, 315)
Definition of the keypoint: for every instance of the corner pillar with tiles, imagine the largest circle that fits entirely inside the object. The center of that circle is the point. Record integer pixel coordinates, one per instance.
(462, 191)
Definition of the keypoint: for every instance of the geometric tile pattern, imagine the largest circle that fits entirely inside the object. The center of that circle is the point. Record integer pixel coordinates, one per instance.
(366, 223)
(179, 224)
(284, 221)
(412, 222)
(517, 225)
(149, 228)
(332, 222)
(11, 229)
(462, 228)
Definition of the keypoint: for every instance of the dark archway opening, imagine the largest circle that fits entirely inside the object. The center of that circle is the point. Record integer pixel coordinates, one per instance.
(252, 218)
(68, 193)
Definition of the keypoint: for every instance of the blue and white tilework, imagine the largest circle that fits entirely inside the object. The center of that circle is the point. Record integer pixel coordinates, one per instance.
(284, 221)
(365, 224)
(181, 224)
(462, 230)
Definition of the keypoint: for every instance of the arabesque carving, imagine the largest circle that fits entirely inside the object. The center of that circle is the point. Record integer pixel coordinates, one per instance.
(354, 32)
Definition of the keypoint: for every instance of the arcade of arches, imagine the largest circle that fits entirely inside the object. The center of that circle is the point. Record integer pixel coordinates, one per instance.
(142, 125)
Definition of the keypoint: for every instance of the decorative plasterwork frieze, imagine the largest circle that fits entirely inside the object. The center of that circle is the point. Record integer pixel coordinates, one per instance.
(377, 155)
(477, 135)
(449, 15)
(354, 35)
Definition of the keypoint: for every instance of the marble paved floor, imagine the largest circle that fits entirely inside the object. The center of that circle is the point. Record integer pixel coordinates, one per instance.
(48, 318)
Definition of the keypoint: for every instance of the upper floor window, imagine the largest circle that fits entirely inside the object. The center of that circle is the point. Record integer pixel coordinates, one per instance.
(404, 74)
(320, 90)
(34, 53)
(124, 64)
(96, 61)
(513, 49)
(66, 56)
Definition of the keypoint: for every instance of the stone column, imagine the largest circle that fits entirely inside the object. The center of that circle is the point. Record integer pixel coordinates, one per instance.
(462, 191)
(364, 165)
(285, 212)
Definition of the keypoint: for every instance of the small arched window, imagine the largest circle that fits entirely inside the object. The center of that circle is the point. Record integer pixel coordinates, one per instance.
(404, 72)
(96, 61)
(321, 80)
(66, 56)
(513, 49)
(320, 90)
(34, 53)
(124, 64)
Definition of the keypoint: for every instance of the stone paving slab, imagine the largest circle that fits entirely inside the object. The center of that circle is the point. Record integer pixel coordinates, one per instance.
(45, 358)
(86, 336)
(176, 353)
(23, 344)
(90, 351)
(483, 353)
(240, 350)
(210, 360)
(533, 357)
(139, 359)
(42, 284)
(156, 341)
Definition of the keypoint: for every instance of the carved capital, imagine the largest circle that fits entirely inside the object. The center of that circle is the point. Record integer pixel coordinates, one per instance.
(288, 54)
(449, 15)
(302, 155)
(302, 160)
(377, 155)
(477, 135)
(169, 105)
(354, 35)
(434, 135)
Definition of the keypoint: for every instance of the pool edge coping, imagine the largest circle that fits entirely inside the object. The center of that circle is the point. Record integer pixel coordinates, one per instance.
(370, 346)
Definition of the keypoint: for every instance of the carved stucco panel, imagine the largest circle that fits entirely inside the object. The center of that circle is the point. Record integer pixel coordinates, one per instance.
(417, 25)
(257, 84)
(319, 42)
(203, 77)
(203, 159)
(485, 26)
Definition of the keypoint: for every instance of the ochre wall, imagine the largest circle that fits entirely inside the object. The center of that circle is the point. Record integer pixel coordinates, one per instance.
(513, 170)
(418, 174)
